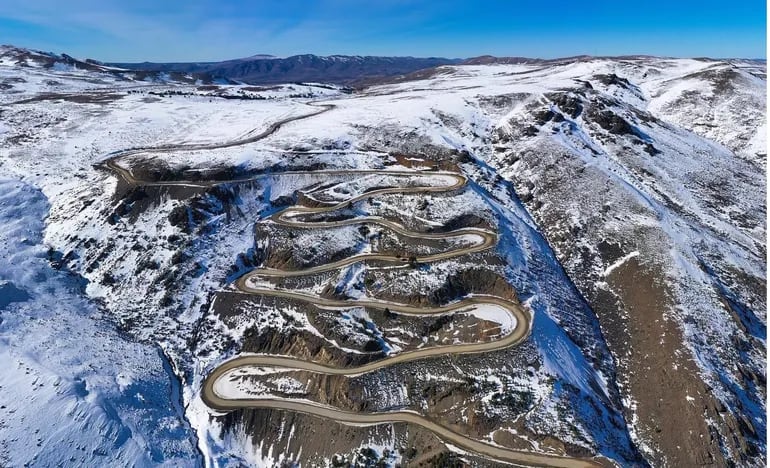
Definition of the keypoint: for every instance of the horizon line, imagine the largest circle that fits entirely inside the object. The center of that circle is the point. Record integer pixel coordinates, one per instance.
(265, 56)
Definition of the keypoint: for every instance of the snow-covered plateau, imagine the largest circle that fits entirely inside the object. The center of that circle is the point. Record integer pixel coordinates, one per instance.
(627, 197)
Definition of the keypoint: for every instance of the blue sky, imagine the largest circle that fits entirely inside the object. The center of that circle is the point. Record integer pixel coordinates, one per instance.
(198, 30)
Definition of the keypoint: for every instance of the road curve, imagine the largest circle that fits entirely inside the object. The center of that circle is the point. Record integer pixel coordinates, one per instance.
(519, 334)
(485, 240)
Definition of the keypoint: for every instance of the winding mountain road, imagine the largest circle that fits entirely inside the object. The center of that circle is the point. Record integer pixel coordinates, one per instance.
(292, 217)
(111, 161)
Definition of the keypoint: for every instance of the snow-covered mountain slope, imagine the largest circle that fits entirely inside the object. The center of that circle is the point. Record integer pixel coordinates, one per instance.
(92, 71)
(75, 390)
(629, 196)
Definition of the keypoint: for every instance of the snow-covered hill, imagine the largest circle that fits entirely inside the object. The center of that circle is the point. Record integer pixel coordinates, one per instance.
(75, 389)
(629, 195)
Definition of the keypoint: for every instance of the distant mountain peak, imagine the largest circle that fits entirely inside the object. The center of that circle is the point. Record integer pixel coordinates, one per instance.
(336, 69)
(260, 57)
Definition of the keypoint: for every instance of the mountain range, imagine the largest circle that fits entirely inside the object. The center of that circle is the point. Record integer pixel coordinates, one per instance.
(263, 69)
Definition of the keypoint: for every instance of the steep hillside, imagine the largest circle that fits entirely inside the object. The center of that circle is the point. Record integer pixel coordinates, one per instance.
(75, 390)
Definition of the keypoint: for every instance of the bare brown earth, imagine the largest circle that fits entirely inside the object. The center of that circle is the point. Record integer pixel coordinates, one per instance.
(669, 394)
